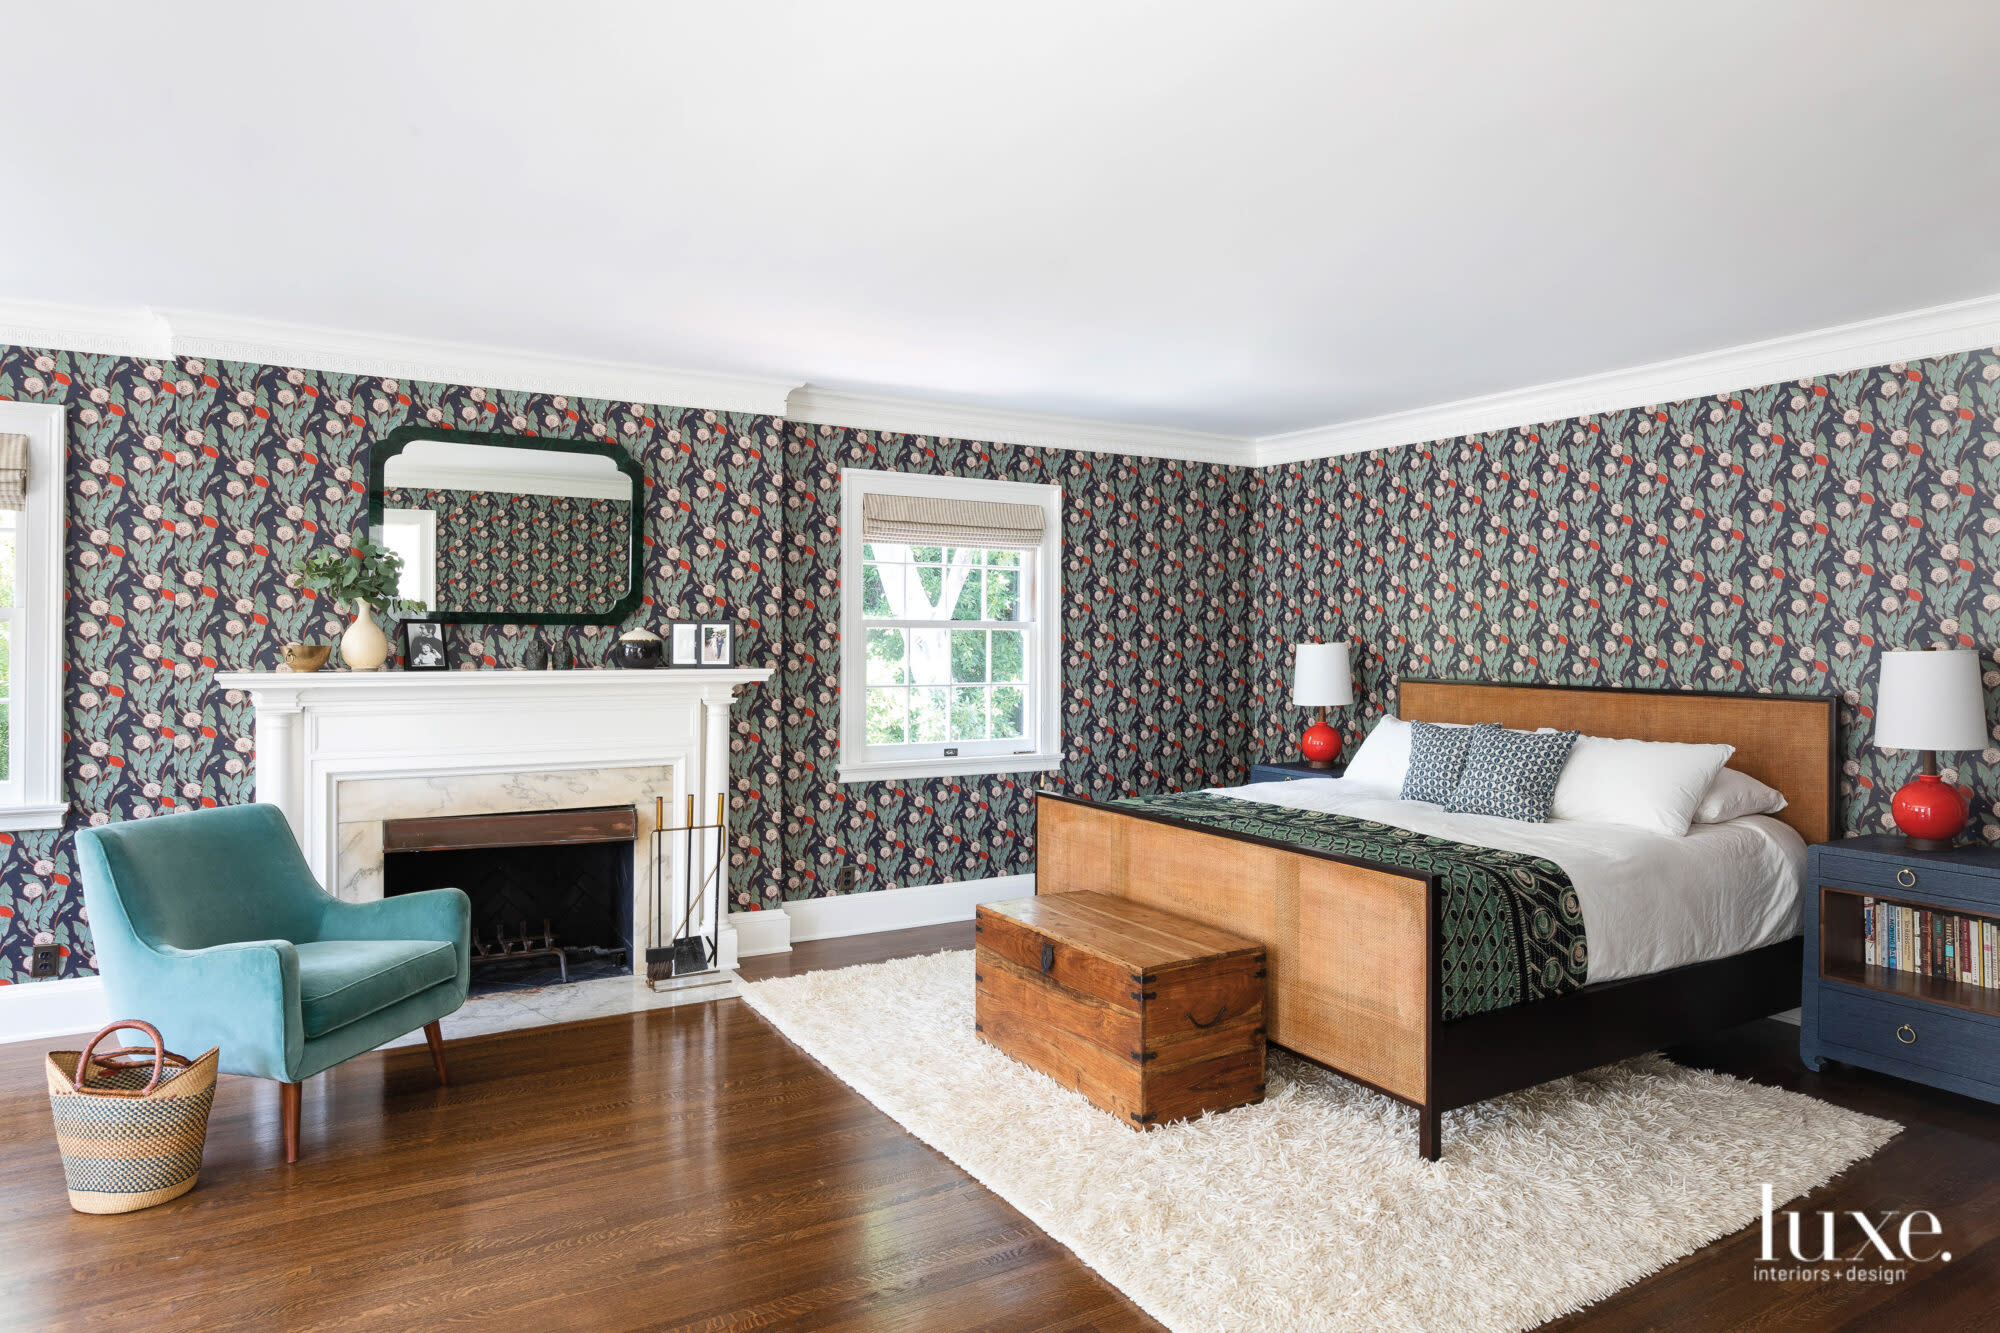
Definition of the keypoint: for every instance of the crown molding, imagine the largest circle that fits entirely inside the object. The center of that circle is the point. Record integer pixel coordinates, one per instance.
(99, 330)
(1909, 336)
(163, 333)
(147, 332)
(919, 416)
(273, 342)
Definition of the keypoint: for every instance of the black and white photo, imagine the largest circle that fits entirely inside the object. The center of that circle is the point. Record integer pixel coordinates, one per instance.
(424, 647)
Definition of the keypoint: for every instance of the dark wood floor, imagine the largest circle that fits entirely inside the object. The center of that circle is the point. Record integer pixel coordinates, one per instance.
(688, 1168)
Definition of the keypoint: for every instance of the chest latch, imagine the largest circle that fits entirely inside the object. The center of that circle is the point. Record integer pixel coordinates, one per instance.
(1048, 958)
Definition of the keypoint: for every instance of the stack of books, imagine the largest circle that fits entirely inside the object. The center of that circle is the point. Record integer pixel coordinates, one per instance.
(1931, 943)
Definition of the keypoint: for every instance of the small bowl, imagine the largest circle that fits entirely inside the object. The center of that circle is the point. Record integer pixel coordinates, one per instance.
(306, 656)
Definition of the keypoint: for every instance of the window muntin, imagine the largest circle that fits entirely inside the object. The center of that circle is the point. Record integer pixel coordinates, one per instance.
(951, 653)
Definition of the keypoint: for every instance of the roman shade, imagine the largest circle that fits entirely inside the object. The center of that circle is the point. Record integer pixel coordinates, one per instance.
(922, 521)
(13, 471)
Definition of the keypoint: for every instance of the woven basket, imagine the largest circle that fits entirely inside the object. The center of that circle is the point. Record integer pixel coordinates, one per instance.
(130, 1122)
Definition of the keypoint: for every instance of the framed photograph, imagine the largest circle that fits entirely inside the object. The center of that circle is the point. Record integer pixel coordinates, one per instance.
(683, 644)
(423, 646)
(718, 644)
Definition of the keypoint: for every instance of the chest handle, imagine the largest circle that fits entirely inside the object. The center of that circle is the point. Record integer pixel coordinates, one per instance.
(1907, 878)
(1048, 958)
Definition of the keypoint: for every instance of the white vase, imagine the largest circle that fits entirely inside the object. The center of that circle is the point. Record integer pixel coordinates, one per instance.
(364, 647)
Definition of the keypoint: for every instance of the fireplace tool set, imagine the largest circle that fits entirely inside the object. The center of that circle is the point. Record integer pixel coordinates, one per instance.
(691, 946)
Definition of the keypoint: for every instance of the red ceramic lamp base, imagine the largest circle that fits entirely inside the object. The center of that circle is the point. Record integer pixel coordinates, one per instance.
(1931, 812)
(1320, 745)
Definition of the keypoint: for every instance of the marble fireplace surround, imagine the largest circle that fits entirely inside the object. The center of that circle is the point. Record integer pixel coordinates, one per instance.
(340, 752)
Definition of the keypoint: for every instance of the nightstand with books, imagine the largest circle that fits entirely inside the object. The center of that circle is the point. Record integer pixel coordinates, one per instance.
(1902, 962)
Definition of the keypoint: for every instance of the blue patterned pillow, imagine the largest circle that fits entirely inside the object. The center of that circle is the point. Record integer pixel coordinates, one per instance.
(1511, 774)
(1437, 753)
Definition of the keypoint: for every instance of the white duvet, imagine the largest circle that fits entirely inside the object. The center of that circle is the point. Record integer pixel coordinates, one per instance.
(1650, 902)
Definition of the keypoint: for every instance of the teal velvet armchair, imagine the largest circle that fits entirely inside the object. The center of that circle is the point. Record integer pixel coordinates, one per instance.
(210, 926)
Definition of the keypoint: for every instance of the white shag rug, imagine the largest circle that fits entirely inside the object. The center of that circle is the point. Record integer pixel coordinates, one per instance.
(1312, 1210)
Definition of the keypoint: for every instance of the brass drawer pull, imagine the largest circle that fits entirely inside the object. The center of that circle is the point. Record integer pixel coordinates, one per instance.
(1907, 1035)
(1907, 878)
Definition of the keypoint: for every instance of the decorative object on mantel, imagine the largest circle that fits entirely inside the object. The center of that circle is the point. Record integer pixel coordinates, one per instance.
(363, 576)
(692, 946)
(1931, 701)
(1322, 679)
(638, 650)
(306, 656)
(424, 646)
(718, 644)
(684, 647)
(535, 657)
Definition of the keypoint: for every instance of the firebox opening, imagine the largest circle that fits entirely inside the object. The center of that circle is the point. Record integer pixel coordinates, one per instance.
(542, 912)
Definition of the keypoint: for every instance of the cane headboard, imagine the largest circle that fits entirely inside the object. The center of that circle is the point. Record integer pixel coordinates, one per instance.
(1789, 741)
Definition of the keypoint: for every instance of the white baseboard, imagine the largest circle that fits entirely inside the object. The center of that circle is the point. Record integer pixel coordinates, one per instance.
(1792, 1016)
(866, 913)
(761, 932)
(37, 1010)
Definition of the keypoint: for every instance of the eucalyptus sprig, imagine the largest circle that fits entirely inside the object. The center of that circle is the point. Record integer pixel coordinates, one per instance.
(360, 573)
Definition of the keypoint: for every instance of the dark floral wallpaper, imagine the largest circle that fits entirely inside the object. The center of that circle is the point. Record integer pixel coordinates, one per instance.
(1774, 538)
(1153, 700)
(498, 549)
(1770, 539)
(195, 486)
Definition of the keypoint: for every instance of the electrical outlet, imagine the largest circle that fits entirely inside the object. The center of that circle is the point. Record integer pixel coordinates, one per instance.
(48, 960)
(844, 881)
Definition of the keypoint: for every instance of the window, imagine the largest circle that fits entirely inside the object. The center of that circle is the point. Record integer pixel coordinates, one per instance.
(31, 624)
(951, 626)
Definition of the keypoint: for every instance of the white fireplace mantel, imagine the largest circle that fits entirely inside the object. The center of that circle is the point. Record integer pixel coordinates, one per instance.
(316, 730)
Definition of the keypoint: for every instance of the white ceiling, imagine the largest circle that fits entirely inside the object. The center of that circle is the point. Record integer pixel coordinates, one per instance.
(1240, 218)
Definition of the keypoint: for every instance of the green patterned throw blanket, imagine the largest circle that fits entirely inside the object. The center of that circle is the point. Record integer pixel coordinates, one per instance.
(1513, 932)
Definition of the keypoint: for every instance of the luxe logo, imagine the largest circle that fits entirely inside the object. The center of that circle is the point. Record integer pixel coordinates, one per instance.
(1885, 1240)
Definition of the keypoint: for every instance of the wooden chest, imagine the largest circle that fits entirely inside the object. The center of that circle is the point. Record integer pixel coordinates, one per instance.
(1151, 1016)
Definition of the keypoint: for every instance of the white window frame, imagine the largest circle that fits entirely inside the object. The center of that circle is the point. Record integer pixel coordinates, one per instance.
(418, 584)
(1041, 749)
(32, 797)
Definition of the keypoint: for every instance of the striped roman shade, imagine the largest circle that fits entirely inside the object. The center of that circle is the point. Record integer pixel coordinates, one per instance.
(13, 471)
(921, 521)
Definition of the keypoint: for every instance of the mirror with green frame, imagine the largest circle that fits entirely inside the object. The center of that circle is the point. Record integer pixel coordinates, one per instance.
(508, 528)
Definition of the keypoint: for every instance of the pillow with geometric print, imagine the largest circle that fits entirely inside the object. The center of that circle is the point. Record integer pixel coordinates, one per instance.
(1511, 774)
(1437, 755)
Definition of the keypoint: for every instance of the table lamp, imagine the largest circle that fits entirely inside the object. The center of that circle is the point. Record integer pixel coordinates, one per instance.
(1321, 679)
(1931, 701)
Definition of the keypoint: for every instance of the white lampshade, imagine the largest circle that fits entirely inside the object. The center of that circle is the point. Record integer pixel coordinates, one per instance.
(1320, 676)
(1931, 701)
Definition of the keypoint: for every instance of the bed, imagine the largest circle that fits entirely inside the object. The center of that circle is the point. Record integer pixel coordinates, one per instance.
(1356, 979)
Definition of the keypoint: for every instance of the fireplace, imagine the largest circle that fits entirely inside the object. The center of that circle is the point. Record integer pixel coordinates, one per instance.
(551, 890)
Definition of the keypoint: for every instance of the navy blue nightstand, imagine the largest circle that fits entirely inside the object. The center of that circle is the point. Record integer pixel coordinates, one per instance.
(1292, 772)
(1933, 1029)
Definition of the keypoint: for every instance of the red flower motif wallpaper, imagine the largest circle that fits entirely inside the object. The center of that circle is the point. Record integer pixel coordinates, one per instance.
(1774, 538)
(496, 549)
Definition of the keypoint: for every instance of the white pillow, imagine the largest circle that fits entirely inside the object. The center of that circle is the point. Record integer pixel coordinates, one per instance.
(1654, 785)
(1733, 795)
(1383, 757)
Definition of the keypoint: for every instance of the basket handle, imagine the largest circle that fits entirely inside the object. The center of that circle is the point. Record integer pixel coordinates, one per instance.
(158, 1052)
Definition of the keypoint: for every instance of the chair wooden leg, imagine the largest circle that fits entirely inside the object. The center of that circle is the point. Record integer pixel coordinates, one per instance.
(288, 1101)
(435, 1036)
